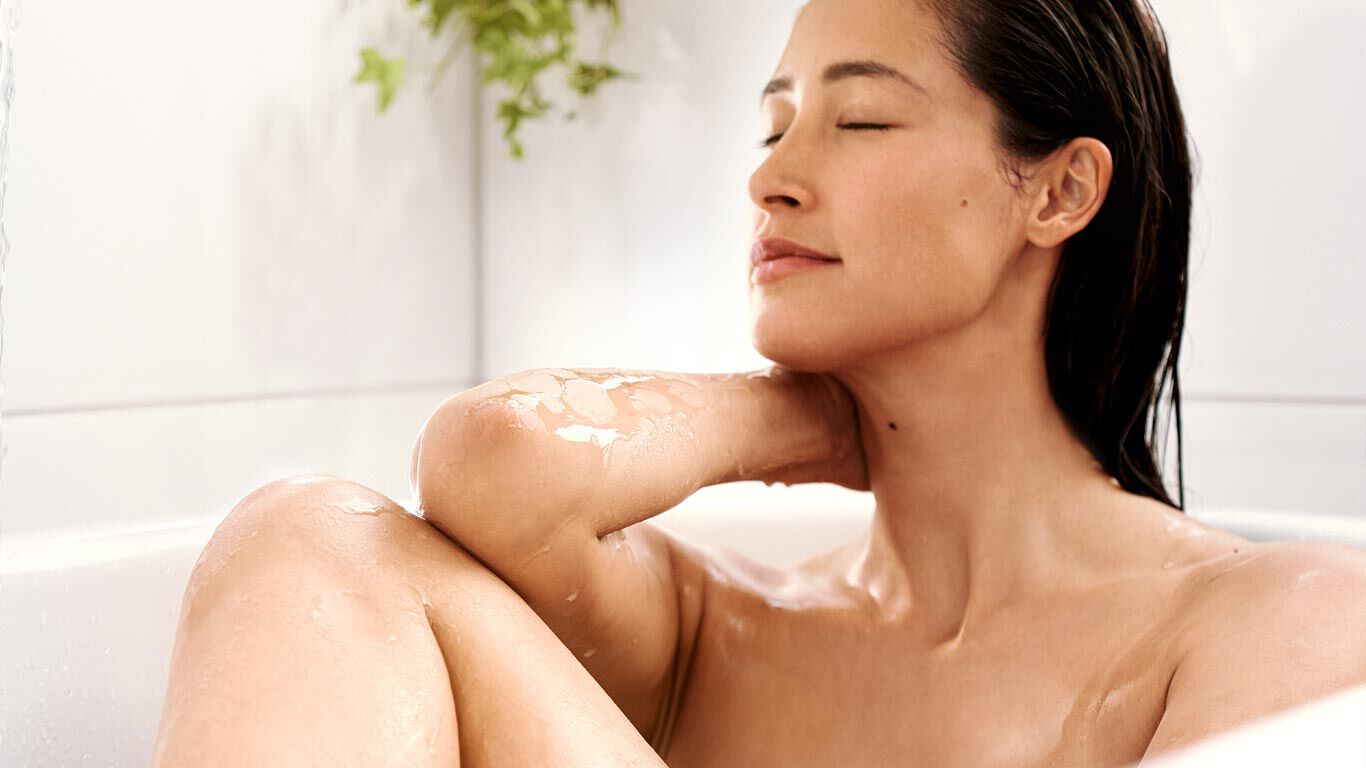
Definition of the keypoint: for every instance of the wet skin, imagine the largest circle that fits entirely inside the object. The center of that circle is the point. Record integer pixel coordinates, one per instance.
(796, 666)
(839, 660)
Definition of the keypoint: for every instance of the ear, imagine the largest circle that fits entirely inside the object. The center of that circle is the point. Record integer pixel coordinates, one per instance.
(1069, 188)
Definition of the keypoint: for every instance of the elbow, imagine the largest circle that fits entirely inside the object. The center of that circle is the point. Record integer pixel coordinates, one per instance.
(467, 472)
(443, 461)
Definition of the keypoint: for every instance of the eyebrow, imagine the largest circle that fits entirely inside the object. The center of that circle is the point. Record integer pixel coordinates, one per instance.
(843, 70)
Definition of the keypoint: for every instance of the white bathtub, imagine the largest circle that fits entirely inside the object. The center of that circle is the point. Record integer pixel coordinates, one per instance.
(87, 619)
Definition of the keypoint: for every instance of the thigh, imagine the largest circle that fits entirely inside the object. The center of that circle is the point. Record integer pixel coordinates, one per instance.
(520, 696)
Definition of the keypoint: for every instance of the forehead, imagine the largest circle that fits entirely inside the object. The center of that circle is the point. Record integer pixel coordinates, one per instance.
(901, 33)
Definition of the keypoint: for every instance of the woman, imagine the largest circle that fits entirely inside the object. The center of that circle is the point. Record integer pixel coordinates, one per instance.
(996, 195)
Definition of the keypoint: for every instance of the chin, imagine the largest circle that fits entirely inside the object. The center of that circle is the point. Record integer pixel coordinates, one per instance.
(801, 349)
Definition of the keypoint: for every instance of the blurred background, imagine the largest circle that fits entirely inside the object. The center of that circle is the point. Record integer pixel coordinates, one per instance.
(227, 267)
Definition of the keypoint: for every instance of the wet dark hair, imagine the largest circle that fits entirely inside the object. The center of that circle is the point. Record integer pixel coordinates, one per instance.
(1063, 69)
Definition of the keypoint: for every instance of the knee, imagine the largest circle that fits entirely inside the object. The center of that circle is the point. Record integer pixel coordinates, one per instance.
(310, 504)
(310, 525)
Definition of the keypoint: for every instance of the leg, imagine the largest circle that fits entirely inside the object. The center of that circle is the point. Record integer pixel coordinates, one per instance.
(326, 625)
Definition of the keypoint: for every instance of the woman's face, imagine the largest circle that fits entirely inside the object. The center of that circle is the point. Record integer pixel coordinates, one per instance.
(920, 214)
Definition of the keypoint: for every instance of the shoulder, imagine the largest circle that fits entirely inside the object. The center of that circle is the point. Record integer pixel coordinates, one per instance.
(1273, 579)
(1303, 600)
(1271, 627)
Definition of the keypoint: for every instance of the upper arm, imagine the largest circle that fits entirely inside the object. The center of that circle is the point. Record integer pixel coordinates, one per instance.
(626, 605)
(1275, 630)
(619, 603)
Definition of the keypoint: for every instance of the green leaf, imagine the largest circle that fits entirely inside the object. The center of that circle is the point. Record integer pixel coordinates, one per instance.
(440, 11)
(585, 78)
(528, 12)
(385, 73)
(516, 42)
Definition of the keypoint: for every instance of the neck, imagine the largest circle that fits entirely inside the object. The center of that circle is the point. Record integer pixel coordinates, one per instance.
(983, 492)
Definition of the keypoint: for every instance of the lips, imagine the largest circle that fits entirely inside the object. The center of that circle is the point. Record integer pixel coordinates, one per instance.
(770, 248)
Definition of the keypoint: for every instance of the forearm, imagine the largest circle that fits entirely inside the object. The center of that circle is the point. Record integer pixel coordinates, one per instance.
(613, 447)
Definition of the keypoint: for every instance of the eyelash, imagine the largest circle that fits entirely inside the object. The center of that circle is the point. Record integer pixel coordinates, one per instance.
(771, 140)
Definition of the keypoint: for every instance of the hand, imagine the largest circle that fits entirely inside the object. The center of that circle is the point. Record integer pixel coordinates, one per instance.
(848, 464)
(830, 403)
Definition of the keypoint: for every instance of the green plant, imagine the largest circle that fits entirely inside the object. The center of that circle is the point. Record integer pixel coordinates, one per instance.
(517, 40)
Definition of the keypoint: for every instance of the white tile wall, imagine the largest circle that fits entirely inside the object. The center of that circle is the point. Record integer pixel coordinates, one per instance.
(226, 264)
(1275, 93)
(202, 205)
(122, 466)
(1273, 456)
(623, 239)
(196, 228)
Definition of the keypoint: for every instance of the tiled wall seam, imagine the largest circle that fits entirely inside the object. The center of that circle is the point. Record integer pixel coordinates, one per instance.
(454, 385)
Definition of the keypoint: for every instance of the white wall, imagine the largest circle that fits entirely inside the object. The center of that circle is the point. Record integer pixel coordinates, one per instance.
(226, 266)
(641, 231)
(1275, 93)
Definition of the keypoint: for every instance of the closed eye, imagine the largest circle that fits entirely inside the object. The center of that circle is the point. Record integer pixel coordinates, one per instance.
(771, 140)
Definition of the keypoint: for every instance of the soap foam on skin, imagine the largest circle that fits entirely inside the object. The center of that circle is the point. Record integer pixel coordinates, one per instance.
(527, 417)
(648, 398)
(493, 388)
(561, 373)
(561, 389)
(534, 383)
(616, 381)
(590, 400)
(580, 433)
(686, 392)
(553, 403)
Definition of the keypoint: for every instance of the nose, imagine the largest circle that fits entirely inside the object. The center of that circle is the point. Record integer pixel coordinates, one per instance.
(777, 184)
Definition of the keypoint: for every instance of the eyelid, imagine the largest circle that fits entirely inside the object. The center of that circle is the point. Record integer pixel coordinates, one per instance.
(851, 125)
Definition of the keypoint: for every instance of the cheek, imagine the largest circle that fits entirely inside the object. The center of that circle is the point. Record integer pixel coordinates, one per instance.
(918, 254)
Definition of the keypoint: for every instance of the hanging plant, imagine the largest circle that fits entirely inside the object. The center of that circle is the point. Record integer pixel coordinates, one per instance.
(517, 41)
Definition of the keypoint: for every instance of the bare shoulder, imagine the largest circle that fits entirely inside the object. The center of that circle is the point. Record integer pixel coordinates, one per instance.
(1289, 578)
(1305, 600)
(1267, 628)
